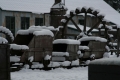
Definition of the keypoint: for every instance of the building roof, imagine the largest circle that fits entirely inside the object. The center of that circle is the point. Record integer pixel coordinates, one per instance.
(43, 6)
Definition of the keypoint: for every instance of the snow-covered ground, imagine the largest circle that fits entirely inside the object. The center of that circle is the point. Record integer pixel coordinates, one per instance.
(80, 73)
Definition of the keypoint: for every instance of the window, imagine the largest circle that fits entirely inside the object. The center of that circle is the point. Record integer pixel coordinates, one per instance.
(81, 21)
(10, 23)
(25, 22)
(38, 21)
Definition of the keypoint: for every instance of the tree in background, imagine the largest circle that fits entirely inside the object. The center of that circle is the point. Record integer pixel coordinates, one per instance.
(114, 3)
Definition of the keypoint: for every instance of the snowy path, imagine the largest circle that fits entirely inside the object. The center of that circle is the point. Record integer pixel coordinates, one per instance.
(80, 73)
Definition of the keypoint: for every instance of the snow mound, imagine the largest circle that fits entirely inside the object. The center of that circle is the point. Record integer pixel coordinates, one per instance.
(3, 40)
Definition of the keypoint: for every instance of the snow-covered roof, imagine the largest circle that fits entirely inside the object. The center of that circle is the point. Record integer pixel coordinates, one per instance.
(66, 41)
(43, 6)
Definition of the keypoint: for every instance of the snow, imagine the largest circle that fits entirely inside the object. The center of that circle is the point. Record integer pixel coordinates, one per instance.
(43, 6)
(65, 63)
(47, 57)
(108, 49)
(93, 38)
(79, 73)
(63, 20)
(83, 47)
(7, 31)
(14, 59)
(79, 52)
(75, 63)
(43, 32)
(18, 47)
(67, 15)
(58, 58)
(92, 55)
(31, 58)
(106, 61)
(66, 41)
(26, 66)
(81, 27)
(81, 55)
(23, 32)
(59, 5)
(37, 65)
(87, 62)
(78, 8)
(60, 54)
(3, 40)
(112, 44)
(109, 55)
(54, 64)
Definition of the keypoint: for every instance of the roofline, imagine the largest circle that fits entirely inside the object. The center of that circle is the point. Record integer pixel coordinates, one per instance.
(19, 11)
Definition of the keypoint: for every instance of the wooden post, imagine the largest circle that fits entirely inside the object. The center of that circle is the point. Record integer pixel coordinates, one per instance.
(85, 22)
(118, 41)
(76, 25)
(96, 25)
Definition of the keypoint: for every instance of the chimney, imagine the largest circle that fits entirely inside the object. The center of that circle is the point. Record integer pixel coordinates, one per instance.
(57, 1)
